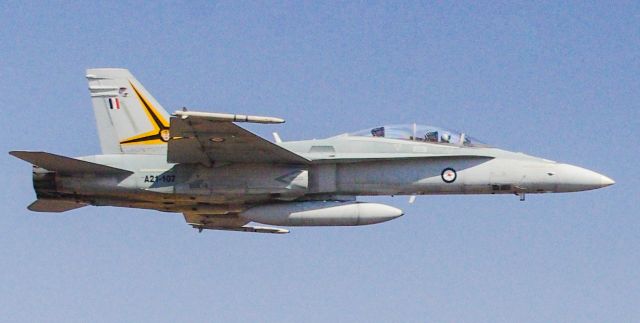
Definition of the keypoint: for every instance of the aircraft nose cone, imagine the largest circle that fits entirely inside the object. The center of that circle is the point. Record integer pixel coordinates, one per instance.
(574, 178)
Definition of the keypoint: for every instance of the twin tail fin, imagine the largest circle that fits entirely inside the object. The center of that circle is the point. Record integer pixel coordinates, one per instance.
(129, 118)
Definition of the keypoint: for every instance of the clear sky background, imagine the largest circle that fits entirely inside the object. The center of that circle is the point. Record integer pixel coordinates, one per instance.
(559, 81)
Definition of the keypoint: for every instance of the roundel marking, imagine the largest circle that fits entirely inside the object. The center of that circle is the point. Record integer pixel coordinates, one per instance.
(165, 135)
(449, 175)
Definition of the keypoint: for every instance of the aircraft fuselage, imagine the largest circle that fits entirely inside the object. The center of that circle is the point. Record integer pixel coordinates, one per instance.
(222, 176)
(342, 168)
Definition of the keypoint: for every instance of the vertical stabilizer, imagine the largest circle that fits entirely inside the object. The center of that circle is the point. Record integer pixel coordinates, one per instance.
(129, 119)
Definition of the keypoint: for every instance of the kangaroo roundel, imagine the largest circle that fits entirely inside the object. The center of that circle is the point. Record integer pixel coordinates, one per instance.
(449, 175)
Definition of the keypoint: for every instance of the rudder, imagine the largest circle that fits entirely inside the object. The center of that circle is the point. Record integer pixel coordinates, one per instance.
(128, 117)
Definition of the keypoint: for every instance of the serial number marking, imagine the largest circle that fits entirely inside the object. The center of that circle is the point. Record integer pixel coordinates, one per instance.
(160, 178)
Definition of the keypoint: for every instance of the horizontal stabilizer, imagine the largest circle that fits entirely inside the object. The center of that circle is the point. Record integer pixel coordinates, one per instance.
(49, 205)
(66, 165)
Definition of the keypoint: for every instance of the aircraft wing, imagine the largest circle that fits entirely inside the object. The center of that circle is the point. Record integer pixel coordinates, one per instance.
(202, 139)
(227, 222)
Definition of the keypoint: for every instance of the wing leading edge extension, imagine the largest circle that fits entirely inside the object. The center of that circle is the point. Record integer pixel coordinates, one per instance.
(207, 138)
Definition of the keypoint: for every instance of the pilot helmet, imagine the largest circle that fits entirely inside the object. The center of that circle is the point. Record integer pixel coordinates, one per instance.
(446, 137)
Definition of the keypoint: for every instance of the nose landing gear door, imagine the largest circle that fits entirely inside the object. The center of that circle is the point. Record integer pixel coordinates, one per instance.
(502, 182)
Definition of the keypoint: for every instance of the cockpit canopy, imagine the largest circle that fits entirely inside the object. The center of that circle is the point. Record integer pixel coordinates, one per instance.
(422, 133)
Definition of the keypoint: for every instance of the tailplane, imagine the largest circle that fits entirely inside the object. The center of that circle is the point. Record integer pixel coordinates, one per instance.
(129, 119)
(51, 205)
(67, 165)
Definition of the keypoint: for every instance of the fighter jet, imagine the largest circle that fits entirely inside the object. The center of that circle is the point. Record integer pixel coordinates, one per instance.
(221, 176)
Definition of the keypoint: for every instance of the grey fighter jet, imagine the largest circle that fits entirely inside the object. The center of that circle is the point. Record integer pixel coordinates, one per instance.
(223, 177)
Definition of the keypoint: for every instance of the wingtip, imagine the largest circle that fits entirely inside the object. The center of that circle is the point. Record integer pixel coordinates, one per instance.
(16, 153)
(20, 154)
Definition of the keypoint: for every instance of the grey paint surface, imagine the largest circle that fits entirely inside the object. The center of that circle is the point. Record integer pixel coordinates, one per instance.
(221, 176)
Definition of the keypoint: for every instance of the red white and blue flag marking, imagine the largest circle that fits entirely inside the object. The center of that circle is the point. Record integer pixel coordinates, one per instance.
(114, 103)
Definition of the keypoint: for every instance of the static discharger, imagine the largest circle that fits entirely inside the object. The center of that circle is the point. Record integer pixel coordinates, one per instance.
(227, 117)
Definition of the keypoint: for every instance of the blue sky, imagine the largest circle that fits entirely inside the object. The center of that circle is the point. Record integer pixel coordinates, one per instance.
(555, 80)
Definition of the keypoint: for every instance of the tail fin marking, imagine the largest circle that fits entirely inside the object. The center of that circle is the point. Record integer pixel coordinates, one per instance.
(129, 119)
(160, 132)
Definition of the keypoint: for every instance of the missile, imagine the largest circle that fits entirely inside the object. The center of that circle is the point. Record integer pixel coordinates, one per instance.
(321, 213)
(227, 117)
